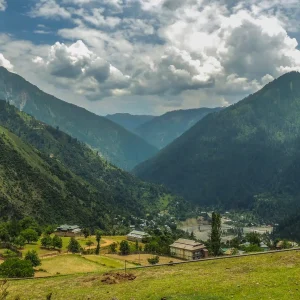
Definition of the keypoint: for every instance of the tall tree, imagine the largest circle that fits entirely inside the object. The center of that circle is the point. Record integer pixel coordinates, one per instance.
(73, 246)
(98, 238)
(215, 237)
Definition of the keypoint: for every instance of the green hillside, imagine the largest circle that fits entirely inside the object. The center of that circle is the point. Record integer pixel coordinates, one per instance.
(65, 181)
(113, 142)
(245, 156)
(272, 276)
(162, 130)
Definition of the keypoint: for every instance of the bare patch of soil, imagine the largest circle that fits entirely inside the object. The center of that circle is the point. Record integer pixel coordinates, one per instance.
(114, 278)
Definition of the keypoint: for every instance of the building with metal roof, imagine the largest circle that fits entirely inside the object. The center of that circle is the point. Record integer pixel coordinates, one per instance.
(137, 235)
(188, 249)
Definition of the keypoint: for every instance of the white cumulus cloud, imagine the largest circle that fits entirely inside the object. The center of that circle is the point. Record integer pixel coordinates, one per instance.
(5, 63)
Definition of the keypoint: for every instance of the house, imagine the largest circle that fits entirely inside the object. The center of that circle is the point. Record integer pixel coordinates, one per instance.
(68, 230)
(264, 246)
(188, 249)
(137, 235)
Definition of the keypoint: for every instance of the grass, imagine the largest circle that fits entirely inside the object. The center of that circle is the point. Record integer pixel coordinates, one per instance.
(71, 264)
(272, 276)
(142, 258)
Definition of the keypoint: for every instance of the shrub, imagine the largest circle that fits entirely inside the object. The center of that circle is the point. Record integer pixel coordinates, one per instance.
(124, 248)
(16, 268)
(30, 235)
(74, 246)
(153, 260)
(57, 242)
(33, 257)
(46, 241)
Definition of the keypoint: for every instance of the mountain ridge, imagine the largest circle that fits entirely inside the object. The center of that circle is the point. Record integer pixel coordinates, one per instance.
(231, 156)
(164, 129)
(103, 190)
(115, 143)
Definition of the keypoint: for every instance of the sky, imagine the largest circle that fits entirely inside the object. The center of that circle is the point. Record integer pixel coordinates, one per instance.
(149, 56)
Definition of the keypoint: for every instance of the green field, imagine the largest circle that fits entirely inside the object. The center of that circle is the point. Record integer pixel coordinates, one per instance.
(272, 276)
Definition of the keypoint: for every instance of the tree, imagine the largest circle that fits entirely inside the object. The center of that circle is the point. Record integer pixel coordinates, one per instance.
(136, 245)
(33, 257)
(192, 236)
(215, 237)
(4, 234)
(46, 241)
(124, 248)
(98, 238)
(253, 238)
(49, 229)
(57, 242)
(89, 243)
(113, 248)
(16, 268)
(19, 241)
(154, 260)
(74, 246)
(86, 232)
(30, 235)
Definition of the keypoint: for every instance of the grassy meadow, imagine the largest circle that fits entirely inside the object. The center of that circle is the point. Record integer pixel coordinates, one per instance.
(272, 276)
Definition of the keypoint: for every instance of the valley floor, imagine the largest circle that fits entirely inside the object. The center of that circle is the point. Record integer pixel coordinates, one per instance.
(272, 276)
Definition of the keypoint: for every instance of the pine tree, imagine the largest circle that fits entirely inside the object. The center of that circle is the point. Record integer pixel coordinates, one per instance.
(215, 237)
(98, 238)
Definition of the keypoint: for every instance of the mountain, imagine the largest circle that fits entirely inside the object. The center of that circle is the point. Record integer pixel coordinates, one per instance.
(129, 121)
(112, 141)
(53, 177)
(163, 130)
(239, 157)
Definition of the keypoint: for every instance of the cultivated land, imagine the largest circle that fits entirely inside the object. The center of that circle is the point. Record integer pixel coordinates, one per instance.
(271, 276)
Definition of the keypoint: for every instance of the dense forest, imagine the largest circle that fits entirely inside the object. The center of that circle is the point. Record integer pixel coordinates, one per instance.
(162, 130)
(113, 142)
(47, 174)
(243, 157)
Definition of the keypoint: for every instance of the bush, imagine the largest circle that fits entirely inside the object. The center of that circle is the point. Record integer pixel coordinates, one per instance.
(153, 260)
(124, 248)
(46, 241)
(74, 246)
(19, 241)
(9, 254)
(33, 257)
(30, 235)
(16, 268)
(57, 242)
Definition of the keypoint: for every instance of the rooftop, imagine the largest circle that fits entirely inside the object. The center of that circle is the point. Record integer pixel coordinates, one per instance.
(137, 232)
(187, 245)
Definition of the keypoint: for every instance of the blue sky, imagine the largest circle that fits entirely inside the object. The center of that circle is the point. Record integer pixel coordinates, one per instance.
(149, 56)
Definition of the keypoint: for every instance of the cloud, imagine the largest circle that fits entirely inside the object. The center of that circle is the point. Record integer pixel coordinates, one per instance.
(76, 65)
(170, 52)
(5, 63)
(3, 5)
(49, 9)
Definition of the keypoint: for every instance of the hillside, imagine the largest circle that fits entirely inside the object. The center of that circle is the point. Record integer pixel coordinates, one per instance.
(78, 186)
(164, 129)
(243, 151)
(129, 121)
(113, 142)
(272, 276)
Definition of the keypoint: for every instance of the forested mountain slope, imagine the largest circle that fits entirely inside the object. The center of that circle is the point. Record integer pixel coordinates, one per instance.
(113, 142)
(129, 121)
(243, 151)
(162, 130)
(70, 182)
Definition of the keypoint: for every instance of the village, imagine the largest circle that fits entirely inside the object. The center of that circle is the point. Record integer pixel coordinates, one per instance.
(136, 242)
